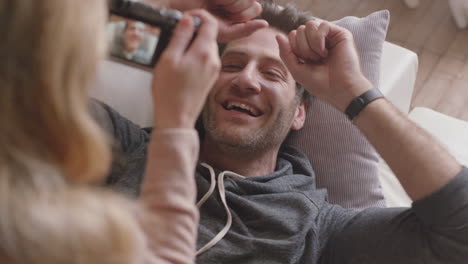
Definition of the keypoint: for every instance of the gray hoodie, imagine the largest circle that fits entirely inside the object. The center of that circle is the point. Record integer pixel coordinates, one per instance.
(283, 218)
(274, 217)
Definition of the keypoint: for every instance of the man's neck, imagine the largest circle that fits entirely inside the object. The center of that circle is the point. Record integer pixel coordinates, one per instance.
(231, 159)
(129, 49)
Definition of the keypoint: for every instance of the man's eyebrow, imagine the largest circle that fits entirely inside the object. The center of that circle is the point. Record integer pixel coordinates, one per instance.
(232, 53)
(266, 59)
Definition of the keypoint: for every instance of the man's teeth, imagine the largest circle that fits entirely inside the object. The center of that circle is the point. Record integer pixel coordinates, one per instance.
(242, 106)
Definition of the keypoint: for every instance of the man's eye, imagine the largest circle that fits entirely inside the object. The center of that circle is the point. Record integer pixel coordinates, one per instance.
(273, 74)
(231, 67)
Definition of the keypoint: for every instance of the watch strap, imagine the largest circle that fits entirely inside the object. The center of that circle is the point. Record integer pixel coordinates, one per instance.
(360, 102)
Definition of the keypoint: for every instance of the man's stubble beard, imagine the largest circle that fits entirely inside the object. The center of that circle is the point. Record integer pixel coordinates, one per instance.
(259, 141)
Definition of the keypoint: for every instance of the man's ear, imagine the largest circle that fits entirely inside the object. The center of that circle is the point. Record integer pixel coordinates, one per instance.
(299, 116)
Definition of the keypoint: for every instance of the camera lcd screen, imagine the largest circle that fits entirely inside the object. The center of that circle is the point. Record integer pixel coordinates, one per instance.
(131, 40)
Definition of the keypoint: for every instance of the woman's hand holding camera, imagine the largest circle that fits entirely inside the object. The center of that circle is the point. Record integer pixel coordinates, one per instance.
(233, 10)
(234, 16)
(186, 71)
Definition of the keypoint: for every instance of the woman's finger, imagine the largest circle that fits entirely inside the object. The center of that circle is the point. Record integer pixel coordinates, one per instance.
(234, 6)
(208, 30)
(247, 14)
(229, 32)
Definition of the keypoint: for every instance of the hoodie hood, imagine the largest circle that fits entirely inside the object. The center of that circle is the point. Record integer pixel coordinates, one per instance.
(293, 171)
(240, 213)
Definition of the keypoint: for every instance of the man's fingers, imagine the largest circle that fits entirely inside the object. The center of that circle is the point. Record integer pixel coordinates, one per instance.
(316, 36)
(304, 49)
(285, 49)
(181, 38)
(292, 36)
(334, 34)
(287, 55)
(302, 46)
(229, 32)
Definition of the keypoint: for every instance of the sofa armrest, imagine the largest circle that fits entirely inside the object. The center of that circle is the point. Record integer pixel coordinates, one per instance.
(449, 131)
(398, 70)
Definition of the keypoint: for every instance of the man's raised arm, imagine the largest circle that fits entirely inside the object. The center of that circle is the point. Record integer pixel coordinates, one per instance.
(421, 164)
(322, 57)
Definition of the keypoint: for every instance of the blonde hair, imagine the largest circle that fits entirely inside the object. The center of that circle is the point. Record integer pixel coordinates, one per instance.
(49, 144)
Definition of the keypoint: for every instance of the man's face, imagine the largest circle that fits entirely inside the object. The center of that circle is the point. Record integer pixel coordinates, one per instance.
(253, 104)
(133, 36)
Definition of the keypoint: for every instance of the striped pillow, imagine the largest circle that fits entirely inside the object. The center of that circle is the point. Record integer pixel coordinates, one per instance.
(344, 161)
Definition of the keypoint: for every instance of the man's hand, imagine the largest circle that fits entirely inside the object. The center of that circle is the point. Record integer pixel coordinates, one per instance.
(186, 72)
(322, 57)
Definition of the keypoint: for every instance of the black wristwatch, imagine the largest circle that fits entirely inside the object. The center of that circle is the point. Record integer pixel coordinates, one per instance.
(360, 102)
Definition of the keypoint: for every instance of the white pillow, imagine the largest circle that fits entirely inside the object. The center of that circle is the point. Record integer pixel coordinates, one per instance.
(449, 131)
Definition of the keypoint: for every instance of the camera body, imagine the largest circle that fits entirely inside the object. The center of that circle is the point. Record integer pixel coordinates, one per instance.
(145, 33)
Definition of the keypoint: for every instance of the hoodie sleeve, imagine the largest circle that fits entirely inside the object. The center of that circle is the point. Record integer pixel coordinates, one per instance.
(169, 193)
(129, 146)
(434, 230)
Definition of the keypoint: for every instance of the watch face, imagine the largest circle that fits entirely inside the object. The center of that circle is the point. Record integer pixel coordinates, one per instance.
(360, 101)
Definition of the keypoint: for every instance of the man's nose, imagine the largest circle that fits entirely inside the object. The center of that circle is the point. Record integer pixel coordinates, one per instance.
(249, 79)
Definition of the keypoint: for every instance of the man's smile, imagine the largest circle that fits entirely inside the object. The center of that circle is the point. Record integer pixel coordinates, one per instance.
(232, 105)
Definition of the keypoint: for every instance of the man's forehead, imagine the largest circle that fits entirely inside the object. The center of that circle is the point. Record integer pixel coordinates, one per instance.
(260, 43)
(136, 24)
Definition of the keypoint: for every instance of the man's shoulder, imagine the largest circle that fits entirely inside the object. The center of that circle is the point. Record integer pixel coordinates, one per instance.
(129, 146)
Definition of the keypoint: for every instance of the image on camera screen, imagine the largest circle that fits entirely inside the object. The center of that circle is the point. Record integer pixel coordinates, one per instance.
(132, 40)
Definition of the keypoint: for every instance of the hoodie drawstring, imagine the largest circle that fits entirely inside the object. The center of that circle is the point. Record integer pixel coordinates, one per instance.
(222, 194)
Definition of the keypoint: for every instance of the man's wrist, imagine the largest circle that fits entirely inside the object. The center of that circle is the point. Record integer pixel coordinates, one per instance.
(349, 92)
(173, 122)
(376, 107)
(360, 102)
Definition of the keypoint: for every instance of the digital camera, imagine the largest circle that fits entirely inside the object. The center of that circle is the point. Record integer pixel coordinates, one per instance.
(138, 33)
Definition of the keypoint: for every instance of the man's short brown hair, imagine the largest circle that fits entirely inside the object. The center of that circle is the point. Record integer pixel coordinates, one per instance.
(285, 19)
